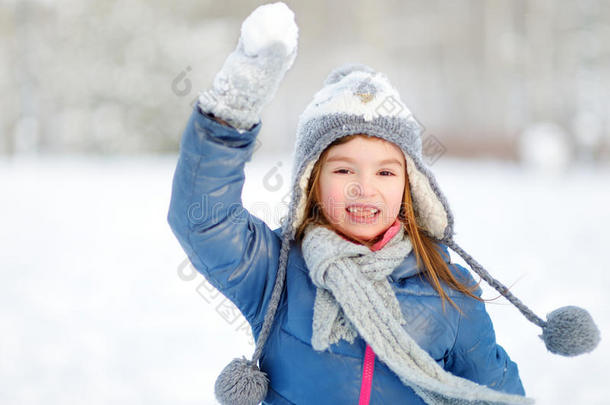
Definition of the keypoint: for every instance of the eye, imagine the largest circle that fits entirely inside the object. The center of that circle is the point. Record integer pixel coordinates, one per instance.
(387, 171)
(341, 170)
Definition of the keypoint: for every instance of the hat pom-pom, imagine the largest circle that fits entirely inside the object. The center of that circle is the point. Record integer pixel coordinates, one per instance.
(570, 331)
(241, 382)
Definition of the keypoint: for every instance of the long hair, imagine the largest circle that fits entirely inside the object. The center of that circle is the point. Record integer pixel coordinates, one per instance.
(426, 250)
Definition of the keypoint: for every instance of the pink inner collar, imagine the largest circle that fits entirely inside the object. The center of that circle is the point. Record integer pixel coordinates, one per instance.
(389, 234)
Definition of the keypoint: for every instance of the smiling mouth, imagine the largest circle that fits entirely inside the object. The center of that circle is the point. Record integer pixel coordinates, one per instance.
(368, 213)
(362, 216)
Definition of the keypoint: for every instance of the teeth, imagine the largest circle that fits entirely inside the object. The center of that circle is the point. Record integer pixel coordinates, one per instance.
(371, 211)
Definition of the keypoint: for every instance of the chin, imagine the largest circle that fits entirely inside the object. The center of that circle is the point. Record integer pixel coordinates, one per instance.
(364, 235)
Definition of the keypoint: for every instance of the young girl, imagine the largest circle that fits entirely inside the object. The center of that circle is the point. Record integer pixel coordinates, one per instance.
(347, 300)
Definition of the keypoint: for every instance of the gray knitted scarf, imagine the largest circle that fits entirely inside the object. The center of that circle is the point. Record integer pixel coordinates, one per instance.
(354, 297)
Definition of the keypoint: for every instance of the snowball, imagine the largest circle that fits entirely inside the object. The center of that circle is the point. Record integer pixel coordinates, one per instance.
(269, 23)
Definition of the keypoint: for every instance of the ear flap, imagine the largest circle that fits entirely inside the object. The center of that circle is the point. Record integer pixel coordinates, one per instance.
(431, 210)
(302, 181)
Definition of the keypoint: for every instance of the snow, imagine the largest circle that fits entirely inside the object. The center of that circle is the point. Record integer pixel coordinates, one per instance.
(98, 305)
(545, 147)
(267, 24)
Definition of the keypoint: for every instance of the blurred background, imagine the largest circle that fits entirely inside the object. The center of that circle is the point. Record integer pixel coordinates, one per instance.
(117, 77)
(97, 302)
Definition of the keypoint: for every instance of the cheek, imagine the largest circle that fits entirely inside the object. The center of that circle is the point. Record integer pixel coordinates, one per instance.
(332, 198)
(395, 197)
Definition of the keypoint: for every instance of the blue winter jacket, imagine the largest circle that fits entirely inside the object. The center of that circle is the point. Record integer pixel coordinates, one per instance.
(239, 254)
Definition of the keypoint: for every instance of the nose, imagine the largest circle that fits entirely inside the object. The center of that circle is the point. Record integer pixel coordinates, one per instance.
(363, 187)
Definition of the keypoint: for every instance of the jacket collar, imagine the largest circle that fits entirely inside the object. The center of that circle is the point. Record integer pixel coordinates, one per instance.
(409, 267)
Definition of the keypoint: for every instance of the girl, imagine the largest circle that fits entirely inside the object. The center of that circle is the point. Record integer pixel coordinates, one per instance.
(347, 299)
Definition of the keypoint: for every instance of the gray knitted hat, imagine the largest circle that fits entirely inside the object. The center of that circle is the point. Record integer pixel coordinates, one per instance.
(356, 99)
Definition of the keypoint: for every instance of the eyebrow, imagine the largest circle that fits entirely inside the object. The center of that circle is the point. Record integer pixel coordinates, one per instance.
(350, 160)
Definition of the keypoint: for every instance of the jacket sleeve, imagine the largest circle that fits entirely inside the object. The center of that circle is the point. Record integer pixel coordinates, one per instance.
(475, 355)
(235, 251)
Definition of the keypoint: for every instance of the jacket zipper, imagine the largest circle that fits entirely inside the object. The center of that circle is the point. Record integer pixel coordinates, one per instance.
(367, 376)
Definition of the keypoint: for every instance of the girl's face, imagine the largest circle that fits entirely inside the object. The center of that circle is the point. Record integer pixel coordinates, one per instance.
(361, 186)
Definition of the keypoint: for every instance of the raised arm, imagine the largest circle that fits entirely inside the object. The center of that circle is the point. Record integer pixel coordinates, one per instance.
(236, 252)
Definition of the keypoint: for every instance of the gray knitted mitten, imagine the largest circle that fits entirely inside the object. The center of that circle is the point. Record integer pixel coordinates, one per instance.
(252, 73)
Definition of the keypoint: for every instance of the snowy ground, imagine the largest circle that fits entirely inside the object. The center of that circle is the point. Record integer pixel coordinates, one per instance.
(97, 306)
